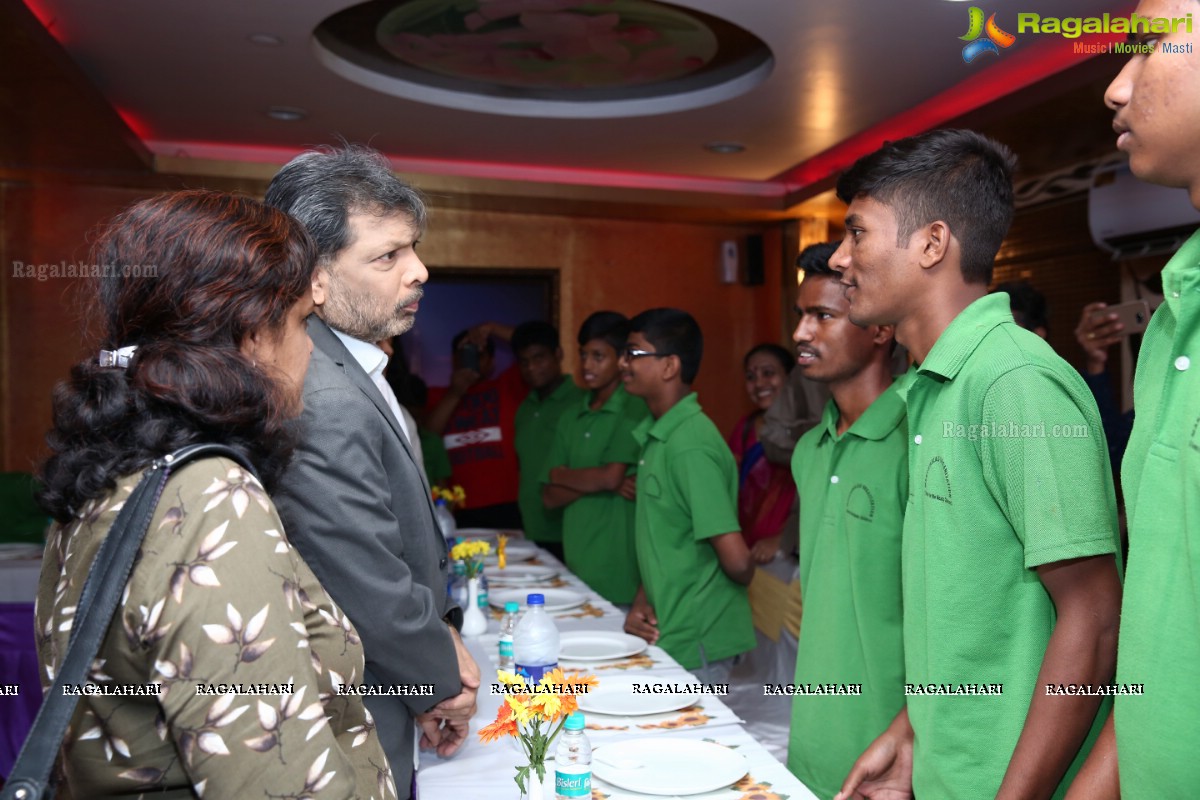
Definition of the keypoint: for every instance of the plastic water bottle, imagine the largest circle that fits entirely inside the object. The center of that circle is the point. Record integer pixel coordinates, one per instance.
(445, 522)
(535, 641)
(458, 589)
(573, 761)
(507, 626)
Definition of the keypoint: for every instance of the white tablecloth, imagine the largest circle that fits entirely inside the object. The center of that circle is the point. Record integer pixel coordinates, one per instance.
(485, 771)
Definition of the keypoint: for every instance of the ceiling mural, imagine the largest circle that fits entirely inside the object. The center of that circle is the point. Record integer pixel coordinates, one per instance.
(593, 51)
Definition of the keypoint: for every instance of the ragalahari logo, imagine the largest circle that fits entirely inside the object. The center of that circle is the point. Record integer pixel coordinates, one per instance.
(995, 37)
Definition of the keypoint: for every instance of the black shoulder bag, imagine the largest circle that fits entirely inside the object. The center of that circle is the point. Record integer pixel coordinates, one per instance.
(30, 778)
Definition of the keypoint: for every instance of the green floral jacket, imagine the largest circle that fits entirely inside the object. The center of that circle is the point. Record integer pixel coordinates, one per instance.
(221, 675)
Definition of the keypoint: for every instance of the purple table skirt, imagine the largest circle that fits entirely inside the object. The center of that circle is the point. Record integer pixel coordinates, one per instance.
(18, 667)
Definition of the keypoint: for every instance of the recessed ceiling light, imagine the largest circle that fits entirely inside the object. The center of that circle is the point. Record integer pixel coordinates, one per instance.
(265, 39)
(286, 113)
(724, 148)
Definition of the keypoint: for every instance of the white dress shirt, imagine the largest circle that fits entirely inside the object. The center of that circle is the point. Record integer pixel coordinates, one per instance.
(373, 360)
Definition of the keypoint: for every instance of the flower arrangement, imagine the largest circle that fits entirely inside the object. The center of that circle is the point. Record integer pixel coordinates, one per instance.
(471, 553)
(536, 716)
(501, 551)
(452, 496)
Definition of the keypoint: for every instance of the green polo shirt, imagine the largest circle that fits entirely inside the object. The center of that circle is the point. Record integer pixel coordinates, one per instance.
(1009, 470)
(1157, 734)
(436, 459)
(853, 488)
(536, 427)
(598, 527)
(686, 493)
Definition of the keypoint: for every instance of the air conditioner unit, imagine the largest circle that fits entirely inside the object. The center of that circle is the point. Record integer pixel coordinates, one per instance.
(1129, 217)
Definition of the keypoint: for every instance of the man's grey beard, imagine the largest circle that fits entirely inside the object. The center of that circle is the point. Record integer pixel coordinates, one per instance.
(347, 313)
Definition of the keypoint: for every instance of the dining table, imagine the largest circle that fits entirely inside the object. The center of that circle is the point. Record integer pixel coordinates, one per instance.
(706, 733)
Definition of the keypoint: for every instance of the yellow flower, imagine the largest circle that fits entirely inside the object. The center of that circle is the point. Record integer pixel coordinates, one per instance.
(453, 496)
(548, 706)
(474, 548)
(501, 550)
(520, 707)
(510, 678)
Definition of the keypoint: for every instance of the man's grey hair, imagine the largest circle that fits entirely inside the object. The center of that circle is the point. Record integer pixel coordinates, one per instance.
(322, 187)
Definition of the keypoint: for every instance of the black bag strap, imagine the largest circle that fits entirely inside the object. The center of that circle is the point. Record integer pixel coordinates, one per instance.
(30, 777)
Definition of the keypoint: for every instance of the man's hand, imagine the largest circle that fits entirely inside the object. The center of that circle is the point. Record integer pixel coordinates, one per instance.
(454, 734)
(462, 706)
(1096, 334)
(431, 730)
(641, 621)
(765, 550)
(884, 770)
(442, 735)
(463, 379)
(628, 488)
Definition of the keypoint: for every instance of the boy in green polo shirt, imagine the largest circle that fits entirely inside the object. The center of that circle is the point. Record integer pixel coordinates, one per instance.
(539, 360)
(851, 471)
(593, 452)
(694, 563)
(1156, 100)
(1008, 566)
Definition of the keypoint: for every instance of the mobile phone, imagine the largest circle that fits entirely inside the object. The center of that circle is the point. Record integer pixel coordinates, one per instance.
(1134, 315)
(470, 356)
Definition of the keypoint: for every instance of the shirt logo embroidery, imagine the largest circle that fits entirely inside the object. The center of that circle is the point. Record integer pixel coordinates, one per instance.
(937, 481)
(861, 503)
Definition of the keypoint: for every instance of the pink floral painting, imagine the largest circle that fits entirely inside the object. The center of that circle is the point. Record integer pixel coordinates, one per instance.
(549, 44)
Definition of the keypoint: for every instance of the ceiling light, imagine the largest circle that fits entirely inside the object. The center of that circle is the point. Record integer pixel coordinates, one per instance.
(724, 148)
(286, 113)
(265, 39)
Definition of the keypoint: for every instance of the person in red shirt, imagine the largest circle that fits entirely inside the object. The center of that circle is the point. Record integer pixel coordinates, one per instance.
(475, 416)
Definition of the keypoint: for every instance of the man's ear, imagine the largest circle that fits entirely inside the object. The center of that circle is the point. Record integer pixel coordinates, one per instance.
(883, 334)
(935, 243)
(320, 283)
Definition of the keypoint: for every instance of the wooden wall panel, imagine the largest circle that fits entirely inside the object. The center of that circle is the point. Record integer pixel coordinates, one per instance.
(627, 266)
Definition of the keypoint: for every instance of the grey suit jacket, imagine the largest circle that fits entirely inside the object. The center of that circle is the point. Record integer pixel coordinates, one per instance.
(358, 510)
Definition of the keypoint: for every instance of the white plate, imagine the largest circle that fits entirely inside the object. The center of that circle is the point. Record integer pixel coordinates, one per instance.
(516, 552)
(486, 533)
(669, 766)
(598, 645)
(556, 599)
(521, 573)
(616, 696)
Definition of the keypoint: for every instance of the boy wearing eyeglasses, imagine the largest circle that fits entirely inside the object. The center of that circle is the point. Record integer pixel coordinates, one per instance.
(694, 564)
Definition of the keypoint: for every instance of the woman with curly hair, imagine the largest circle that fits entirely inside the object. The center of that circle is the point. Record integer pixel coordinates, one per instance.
(219, 608)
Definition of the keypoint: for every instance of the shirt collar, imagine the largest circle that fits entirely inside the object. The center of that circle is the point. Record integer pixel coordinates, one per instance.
(879, 420)
(559, 392)
(664, 426)
(963, 335)
(369, 356)
(1182, 273)
(615, 403)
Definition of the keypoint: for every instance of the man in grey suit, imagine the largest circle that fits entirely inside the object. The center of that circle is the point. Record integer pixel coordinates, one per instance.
(354, 501)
